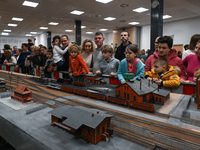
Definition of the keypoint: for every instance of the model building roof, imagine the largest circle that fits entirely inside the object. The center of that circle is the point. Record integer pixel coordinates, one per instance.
(22, 89)
(78, 116)
(161, 92)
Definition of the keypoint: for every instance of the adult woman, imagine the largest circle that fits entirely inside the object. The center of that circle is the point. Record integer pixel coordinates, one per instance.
(194, 39)
(88, 49)
(192, 62)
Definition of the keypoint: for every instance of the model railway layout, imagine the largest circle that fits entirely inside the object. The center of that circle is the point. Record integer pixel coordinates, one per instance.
(125, 125)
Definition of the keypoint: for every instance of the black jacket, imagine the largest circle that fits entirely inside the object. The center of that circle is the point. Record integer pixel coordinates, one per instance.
(120, 51)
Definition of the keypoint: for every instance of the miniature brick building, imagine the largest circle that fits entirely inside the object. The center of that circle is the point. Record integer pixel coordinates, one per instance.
(91, 125)
(142, 91)
(2, 85)
(91, 78)
(197, 92)
(22, 94)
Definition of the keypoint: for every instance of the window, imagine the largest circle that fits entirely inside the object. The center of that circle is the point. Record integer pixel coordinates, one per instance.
(107, 125)
(127, 96)
(124, 95)
(98, 131)
(119, 93)
(144, 98)
(159, 99)
(125, 87)
(156, 99)
(134, 98)
(103, 130)
(88, 130)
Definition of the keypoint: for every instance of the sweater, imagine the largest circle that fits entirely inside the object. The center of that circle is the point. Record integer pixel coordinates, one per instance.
(172, 60)
(87, 57)
(191, 63)
(119, 54)
(77, 65)
(22, 58)
(58, 54)
(108, 67)
(11, 61)
(97, 58)
(170, 78)
(123, 68)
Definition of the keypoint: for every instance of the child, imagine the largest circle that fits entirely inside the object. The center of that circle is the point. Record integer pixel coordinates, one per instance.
(196, 74)
(131, 64)
(109, 65)
(164, 74)
(76, 64)
(10, 60)
(58, 52)
(49, 66)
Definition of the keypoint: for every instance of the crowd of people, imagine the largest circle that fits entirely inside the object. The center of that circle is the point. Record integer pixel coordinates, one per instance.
(165, 67)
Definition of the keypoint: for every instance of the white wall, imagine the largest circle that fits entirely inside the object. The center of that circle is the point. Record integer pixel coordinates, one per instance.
(181, 30)
(108, 39)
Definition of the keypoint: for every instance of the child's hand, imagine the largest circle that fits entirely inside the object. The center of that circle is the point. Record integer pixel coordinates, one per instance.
(70, 74)
(154, 79)
(90, 73)
(98, 72)
(158, 82)
(55, 68)
(186, 81)
(124, 82)
(112, 74)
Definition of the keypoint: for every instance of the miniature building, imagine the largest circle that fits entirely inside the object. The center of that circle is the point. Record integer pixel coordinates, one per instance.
(197, 92)
(91, 125)
(142, 91)
(91, 78)
(128, 76)
(22, 94)
(2, 85)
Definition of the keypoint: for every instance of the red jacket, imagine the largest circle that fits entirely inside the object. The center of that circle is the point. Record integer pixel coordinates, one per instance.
(172, 59)
(77, 65)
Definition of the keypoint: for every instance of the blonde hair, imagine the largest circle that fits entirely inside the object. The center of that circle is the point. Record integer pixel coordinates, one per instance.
(90, 41)
(73, 48)
(142, 52)
(107, 48)
(7, 53)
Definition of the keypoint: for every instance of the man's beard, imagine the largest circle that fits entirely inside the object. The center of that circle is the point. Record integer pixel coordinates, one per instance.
(124, 41)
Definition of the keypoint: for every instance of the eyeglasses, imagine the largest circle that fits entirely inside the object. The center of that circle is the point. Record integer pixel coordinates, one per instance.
(156, 42)
(64, 41)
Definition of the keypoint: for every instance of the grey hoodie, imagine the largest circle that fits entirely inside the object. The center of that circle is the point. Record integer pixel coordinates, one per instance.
(108, 67)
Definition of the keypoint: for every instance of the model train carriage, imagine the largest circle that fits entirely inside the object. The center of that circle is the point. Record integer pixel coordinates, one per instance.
(67, 89)
(97, 96)
(81, 92)
(117, 100)
(144, 106)
(79, 83)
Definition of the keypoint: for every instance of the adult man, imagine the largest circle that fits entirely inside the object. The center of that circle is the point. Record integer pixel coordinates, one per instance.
(14, 50)
(22, 57)
(97, 55)
(65, 41)
(165, 51)
(37, 59)
(120, 53)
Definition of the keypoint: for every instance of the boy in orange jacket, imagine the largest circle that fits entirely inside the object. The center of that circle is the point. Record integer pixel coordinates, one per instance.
(76, 64)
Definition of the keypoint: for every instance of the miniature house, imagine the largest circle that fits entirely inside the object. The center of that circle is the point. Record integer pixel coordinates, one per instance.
(91, 125)
(22, 94)
(128, 76)
(2, 85)
(91, 78)
(142, 91)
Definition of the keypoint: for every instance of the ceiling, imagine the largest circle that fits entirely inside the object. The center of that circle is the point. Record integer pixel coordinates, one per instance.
(59, 11)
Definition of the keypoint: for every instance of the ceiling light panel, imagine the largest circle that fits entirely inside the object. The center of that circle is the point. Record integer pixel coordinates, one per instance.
(28, 35)
(103, 29)
(82, 27)
(134, 23)
(68, 30)
(166, 16)
(17, 19)
(141, 9)
(12, 25)
(7, 30)
(33, 32)
(104, 1)
(76, 12)
(109, 18)
(89, 32)
(44, 28)
(30, 4)
(53, 23)
(3, 33)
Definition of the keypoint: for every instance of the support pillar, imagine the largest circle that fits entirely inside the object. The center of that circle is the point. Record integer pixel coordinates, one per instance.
(156, 21)
(78, 32)
(48, 39)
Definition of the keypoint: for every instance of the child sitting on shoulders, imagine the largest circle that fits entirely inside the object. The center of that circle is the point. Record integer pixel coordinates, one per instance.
(196, 74)
(109, 65)
(49, 65)
(58, 52)
(131, 64)
(76, 64)
(164, 74)
(10, 59)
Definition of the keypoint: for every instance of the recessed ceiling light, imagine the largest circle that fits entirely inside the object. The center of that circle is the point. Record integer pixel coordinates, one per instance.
(109, 18)
(12, 25)
(28, 35)
(30, 4)
(104, 1)
(114, 31)
(33, 32)
(134, 23)
(141, 9)
(82, 27)
(7, 30)
(3, 33)
(17, 19)
(68, 30)
(89, 32)
(103, 29)
(53, 23)
(44, 28)
(166, 16)
(76, 12)
(124, 5)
